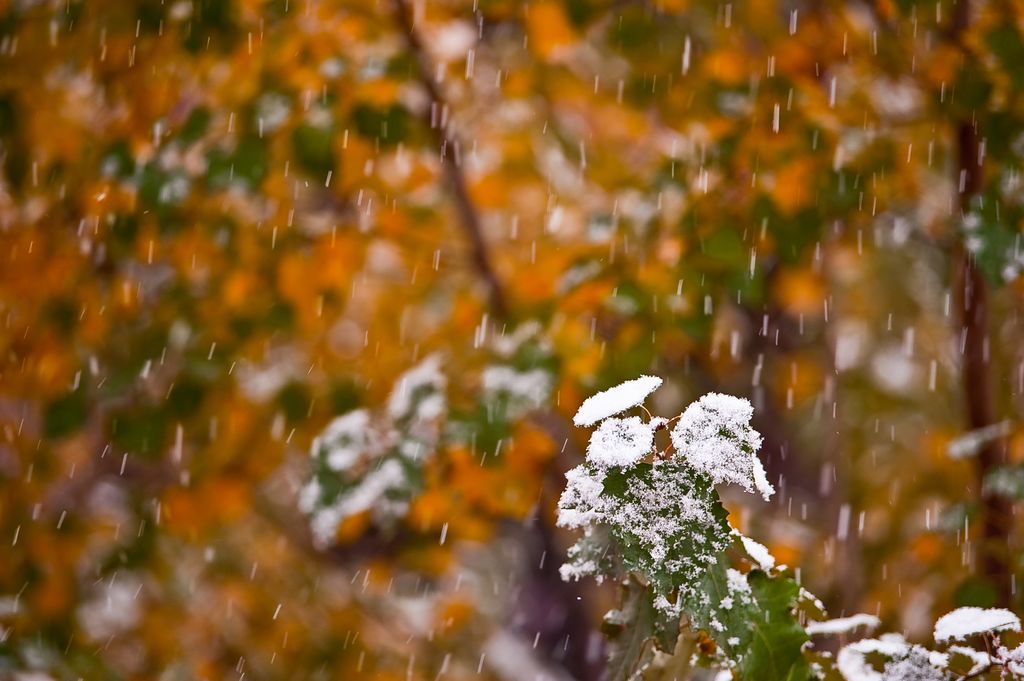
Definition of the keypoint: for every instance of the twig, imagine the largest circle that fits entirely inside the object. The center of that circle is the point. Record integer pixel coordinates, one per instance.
(450, 149)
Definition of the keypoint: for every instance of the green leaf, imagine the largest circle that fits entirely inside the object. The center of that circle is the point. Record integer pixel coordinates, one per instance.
(976, 591)
(211, 19)
(8, 115)
(995, 246)
(313, 149)
(140, 429)
(295, 401)
(65, 415)
(973, 89)
(756, 629)
(689, 543)
(246, 165)
(725, 247)
(1006, 43)
(195, 126)
(722, 612)
(775, 650)
(186, 396)
(390, 125)
(345, 395)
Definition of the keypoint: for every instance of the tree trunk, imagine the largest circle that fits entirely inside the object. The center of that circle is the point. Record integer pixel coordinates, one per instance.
(972, 294)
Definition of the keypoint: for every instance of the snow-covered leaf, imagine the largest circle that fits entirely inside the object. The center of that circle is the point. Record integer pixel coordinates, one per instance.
(620, 442)
(843, 625)
(969, 621)
(615, 400)
(714, 436)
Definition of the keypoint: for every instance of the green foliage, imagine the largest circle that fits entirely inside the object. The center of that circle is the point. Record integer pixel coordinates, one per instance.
(976, 591)
(195, 126)
(659, 528)
(776, 636)
(313, 149)
(1005, 42)
(245, 165)
(390, 125)
(66, 414)
(995, 245)
(670, 491)
(373, 463)
(750, 197)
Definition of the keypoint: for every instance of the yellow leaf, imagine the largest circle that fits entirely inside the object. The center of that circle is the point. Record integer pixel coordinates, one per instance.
(794, 184)
(548, 29)
(800, 292)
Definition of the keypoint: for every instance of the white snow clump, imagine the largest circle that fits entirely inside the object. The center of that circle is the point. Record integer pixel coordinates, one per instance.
(963, 622)
(715, 437)
(615, 400)
(620, 442)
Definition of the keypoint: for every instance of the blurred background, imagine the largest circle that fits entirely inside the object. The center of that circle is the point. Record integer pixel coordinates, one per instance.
(224, 223)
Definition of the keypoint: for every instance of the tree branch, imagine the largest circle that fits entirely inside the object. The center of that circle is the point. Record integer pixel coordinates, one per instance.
(972, 306)
(450, 148)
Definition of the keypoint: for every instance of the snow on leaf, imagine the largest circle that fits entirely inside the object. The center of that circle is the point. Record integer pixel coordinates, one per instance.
(309, 495)
(972, 442)
(507, 345)
(752, 620)
(418, 393)
(714, 436)
(364, 463)
(343, 442)
(381, 491)
(581, 504)
(758, 552)
(620, 442)
(523, 390)
(737, 583)
(615, 400)
(664, 517)
(918, 665)
(979, 660)
(1005, 481)
(323, 524)
(843, 625)
(588, 557)
(367, 494)
(668, 520)
(115, 608)
(450, 41)
(963, 622)
(852, 660)
(663, 522)
(1013, 660)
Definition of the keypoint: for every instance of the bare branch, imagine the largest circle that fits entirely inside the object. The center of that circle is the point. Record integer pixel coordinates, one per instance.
(450, 147)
